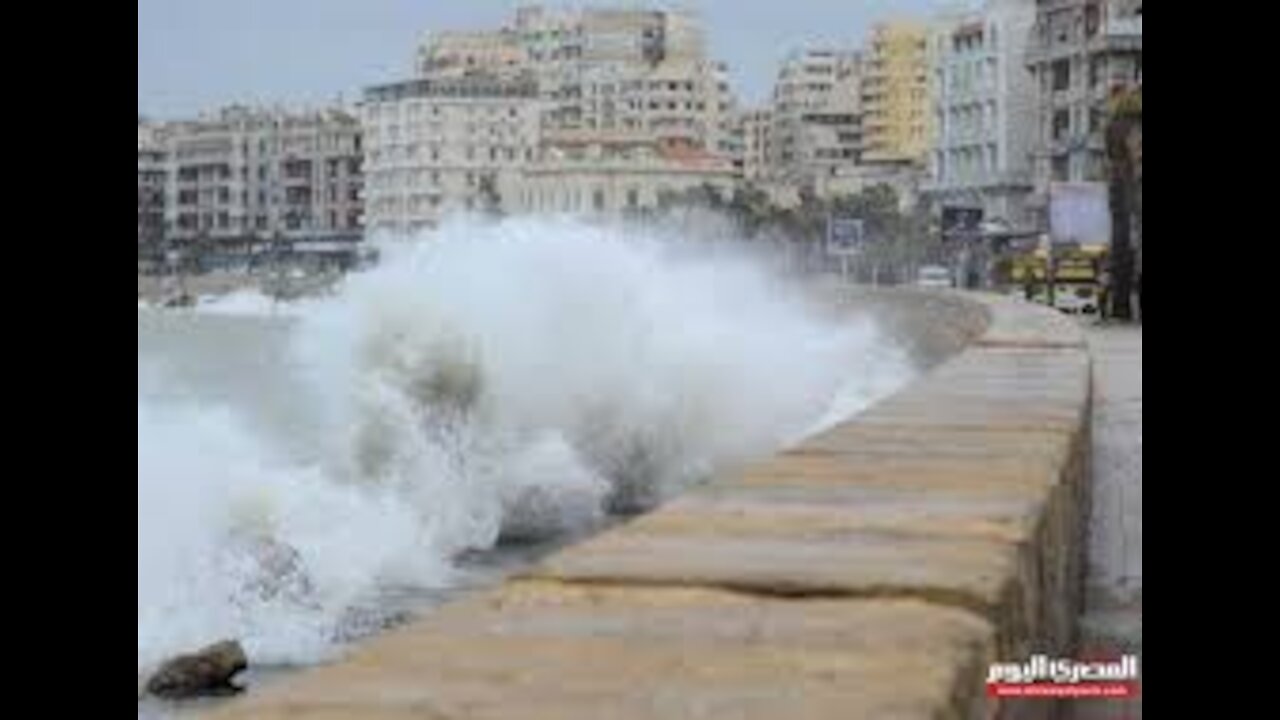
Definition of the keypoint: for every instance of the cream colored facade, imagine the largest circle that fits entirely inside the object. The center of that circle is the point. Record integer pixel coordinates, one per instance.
(895, 93)
(456, 52)
(264, 172)
(817, 126)
(618, 184)
(446, 144)
(559, 109)
(624, 77)
(757, 142)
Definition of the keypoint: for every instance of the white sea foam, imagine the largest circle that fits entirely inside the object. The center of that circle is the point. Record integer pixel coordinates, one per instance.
(512, 379)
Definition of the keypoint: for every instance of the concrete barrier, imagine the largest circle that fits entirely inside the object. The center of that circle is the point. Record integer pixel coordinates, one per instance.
(875, 571)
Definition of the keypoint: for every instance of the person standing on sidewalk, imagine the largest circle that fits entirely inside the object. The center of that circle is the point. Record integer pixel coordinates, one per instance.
(1104, 293)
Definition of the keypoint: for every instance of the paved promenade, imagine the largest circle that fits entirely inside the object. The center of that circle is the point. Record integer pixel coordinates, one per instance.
(1113, 604)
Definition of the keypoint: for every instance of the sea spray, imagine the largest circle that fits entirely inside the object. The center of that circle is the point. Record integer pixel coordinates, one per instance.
(510, 380)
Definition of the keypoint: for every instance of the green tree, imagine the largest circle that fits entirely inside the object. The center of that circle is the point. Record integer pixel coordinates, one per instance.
(750, 208)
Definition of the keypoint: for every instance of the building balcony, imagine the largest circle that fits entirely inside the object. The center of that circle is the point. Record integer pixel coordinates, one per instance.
(1039, 53)
(1124, 27)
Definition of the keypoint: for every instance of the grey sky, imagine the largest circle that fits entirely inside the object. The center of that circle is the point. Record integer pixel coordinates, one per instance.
(197, 54)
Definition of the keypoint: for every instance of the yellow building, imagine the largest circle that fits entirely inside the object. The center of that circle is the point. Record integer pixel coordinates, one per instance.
(895, 96)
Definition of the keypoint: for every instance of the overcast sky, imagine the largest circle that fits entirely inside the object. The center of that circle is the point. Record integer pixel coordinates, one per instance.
(198, 54)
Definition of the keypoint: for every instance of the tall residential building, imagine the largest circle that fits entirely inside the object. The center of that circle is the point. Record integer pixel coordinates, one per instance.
(757, 142)
(622, 77)
(816, 117)
(895, 94)
(245, 172)
(563, 109)
(443, 143)
(984, 104)
(151, 183)
(1080, 50)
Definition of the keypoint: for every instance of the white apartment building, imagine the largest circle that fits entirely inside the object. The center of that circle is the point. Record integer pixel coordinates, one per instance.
(569, 110)
(245, 172)
(605, 75)
(152, 177)
(1080, 50)
(436, 145)
(816, 117)
(984, 110)
(757, 141)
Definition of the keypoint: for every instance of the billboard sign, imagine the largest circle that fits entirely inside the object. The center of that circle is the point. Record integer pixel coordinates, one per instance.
(1079, 214)
(845, 236)
(961, 223)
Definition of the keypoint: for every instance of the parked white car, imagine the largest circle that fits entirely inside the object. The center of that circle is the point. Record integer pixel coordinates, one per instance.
(934, 276)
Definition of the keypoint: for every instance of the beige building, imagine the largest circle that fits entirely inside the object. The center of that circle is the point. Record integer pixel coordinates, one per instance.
(570, 110)
(757, 143)
(622, 77)
(441, 144)
(245, 172)
(895, 94)
(632, 183)
(456, 52)
(816, 116)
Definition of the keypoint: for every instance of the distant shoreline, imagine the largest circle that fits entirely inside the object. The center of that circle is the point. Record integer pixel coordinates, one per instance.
(158, 288)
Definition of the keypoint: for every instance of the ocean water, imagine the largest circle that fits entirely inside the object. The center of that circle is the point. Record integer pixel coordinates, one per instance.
(310, 471)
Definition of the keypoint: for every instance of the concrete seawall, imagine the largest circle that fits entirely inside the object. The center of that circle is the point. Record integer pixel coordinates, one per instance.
(874, 571)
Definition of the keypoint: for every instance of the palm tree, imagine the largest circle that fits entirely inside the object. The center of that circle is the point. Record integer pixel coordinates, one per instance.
(1125, 119)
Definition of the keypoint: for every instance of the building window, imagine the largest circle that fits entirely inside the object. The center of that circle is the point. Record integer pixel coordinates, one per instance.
(1061, 75)
(1061, 124)
(597, 199)
(1060, 168)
